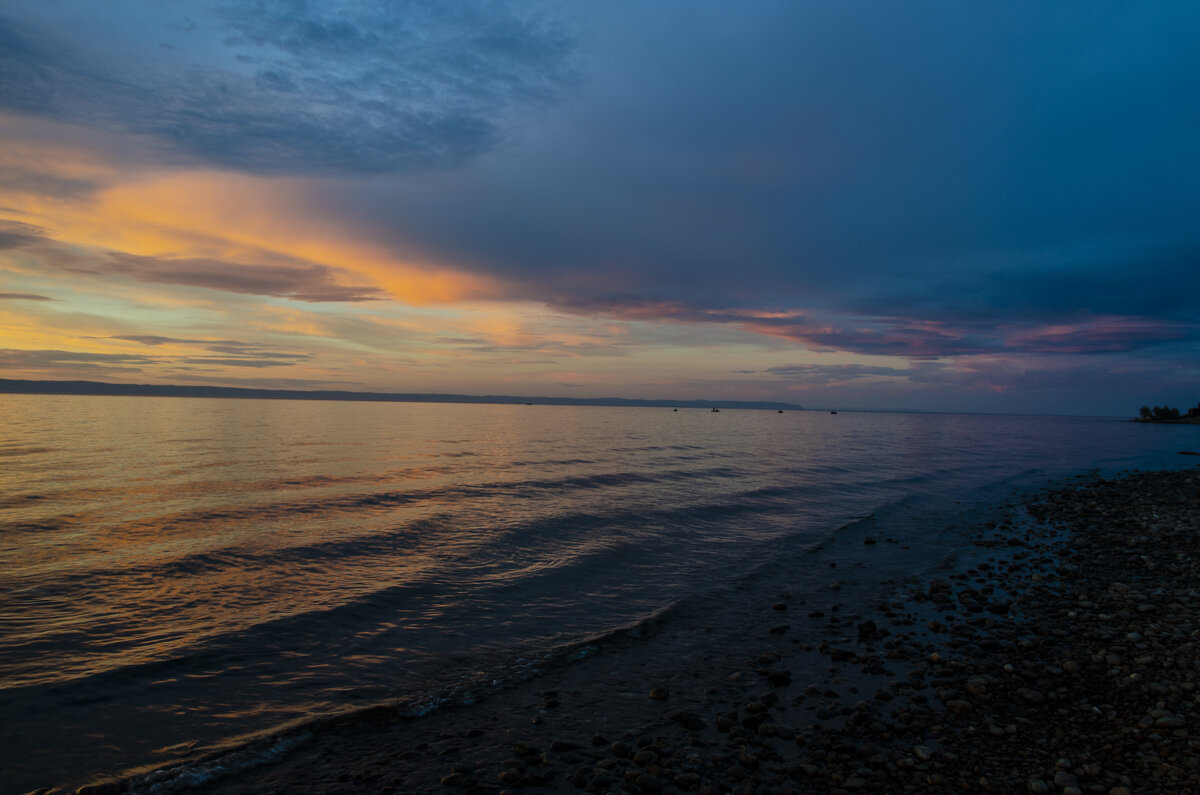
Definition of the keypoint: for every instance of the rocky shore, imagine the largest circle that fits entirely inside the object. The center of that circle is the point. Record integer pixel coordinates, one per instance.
(1064, 657)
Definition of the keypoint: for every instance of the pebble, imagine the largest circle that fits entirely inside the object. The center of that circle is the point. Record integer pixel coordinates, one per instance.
(648, 784)
(1031, 696)
(1071, 640)
(525, 749)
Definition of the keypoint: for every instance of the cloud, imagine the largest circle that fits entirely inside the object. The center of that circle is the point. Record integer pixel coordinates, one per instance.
(237, 362)
(73, 362)
(1103, 335)
(16, 234)
(258, 383)
(988, 192)
(232, 347)
(19, 358)
(297, 280)
(914, 337)
(827, 373)
(1052, 384)
(302, 282)
(234, 353)
(24, 297)
(923, 182)
(154, 339)
(362, 88)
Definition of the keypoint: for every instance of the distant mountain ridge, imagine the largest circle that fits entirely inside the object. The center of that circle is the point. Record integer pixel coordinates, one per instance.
(16, 386)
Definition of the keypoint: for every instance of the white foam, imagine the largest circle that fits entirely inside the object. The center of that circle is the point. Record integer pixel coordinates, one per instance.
(197, 774)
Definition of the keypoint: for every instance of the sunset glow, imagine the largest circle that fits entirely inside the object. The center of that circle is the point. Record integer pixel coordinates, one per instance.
(259, 202)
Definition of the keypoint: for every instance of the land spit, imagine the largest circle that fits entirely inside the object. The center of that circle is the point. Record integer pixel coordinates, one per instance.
(1063, 657)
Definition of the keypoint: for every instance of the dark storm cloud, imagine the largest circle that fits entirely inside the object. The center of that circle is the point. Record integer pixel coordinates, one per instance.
(930, 163)
(310, 88)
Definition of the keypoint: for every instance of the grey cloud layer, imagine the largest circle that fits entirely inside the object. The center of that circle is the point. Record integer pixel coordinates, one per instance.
(1015, 163)
(309, 88)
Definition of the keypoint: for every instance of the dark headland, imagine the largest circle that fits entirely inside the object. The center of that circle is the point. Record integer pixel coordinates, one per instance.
(1060, 655)
(13, 386)
(1166, 415)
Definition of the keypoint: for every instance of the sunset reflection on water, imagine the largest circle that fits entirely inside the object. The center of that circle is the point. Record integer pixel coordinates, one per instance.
(245, 563)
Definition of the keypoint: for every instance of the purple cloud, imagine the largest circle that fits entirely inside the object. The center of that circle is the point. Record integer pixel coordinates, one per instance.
(913, 337)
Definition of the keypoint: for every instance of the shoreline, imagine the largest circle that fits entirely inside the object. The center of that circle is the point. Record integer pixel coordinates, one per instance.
(1176, 421)
(1053, 660)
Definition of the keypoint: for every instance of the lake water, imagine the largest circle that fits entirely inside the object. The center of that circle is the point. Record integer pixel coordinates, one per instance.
(177, 572)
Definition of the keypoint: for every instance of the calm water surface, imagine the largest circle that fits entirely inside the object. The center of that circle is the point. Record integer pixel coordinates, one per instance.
(182, 571)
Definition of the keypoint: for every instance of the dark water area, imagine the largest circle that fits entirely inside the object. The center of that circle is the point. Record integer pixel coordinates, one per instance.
(175, 573)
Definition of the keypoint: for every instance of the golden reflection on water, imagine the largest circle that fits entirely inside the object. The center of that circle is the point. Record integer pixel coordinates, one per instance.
(135, 530)
(191, 519)
(242, 563)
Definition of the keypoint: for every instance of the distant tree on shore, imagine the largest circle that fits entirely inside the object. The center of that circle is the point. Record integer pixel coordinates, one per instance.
(1158, 414)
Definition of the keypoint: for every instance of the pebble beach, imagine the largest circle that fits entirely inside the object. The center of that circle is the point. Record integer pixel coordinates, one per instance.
(1061, 656)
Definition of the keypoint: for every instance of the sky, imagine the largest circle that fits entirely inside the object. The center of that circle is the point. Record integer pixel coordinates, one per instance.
(930, 205)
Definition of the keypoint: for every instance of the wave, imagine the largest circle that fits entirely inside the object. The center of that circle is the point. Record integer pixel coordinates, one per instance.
(207, 765)
(436, 528)
(517, 664)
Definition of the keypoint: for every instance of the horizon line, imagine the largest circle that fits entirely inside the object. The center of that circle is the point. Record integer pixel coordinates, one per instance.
(106, 388)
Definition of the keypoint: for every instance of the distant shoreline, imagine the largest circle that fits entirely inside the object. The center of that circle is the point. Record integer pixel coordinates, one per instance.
(1179, 421)
(24, 387)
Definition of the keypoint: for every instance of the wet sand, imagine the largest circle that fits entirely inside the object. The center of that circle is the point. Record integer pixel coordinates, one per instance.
(1062, 656)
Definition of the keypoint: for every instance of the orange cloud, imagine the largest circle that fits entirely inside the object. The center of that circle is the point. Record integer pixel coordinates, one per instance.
(226, 215)
(94, 194)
